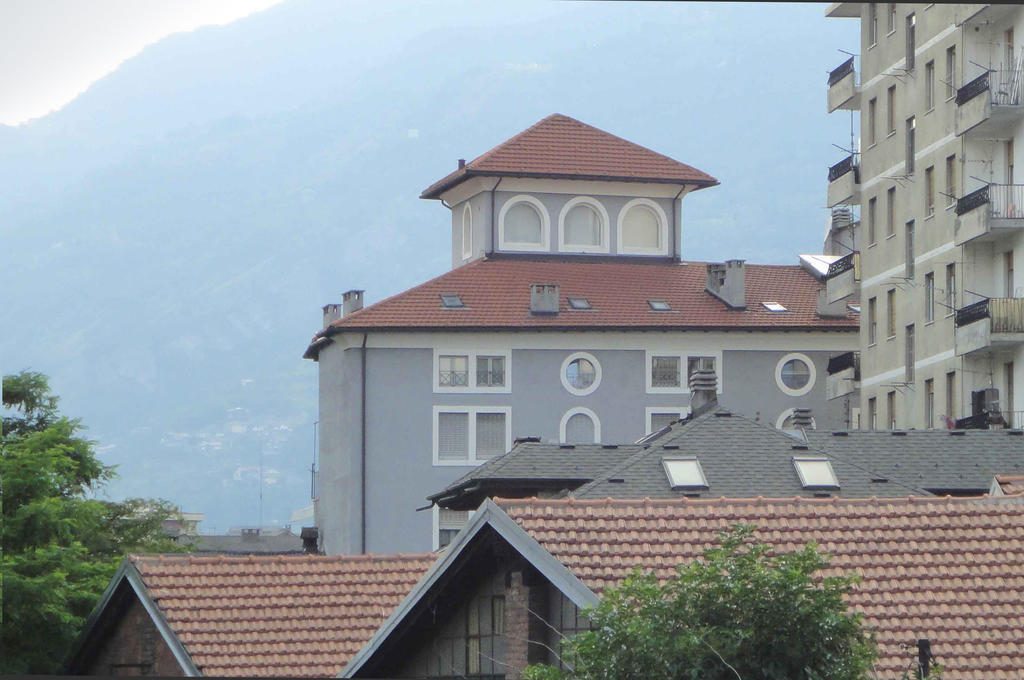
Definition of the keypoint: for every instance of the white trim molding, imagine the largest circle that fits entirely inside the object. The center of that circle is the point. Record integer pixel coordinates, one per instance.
(662, 228)
(811, 378)
(471, 357)
(651, 411)
(597, 374)
(577, 411)
(545, 225)
(467, 232)
(602, 213)
(471, 411)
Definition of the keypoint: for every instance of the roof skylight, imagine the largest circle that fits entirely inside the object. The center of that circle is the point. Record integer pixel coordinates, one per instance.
(816, 473)
(579, 303)
(451, 301)
(659, 305)
(684, 472)
(774, 307)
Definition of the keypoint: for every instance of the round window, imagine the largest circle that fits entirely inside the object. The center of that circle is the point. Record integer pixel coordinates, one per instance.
(795, 374)
(580, 373)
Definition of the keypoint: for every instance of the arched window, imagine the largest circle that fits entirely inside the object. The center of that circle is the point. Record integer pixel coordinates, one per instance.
(583, 226)
(580, 426)
(467, 232)
(643, 228)
(785, 421)
(524, 224)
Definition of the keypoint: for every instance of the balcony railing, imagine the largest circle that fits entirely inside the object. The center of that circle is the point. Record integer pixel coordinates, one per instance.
(1006, 200)
(844, 166)
(972, 89)
(843, 264)
(842, 362)
(975, 199)
(1007, 314)
(840, 72)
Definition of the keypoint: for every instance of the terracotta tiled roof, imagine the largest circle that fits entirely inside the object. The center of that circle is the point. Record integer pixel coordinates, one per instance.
(563, 147)
(1011, 485)
(496, 294)
(281, 615)
(938, 568)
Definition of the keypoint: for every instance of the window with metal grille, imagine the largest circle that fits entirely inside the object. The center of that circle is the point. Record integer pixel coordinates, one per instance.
(660, 420)
(453, 370)
(490, 371)
(490, 435)
(453, 436)
(664, 371)
(694, 364)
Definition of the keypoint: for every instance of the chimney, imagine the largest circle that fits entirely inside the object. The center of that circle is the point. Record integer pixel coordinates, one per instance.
(727, 282)
(332, 313)
(310, 540)
(351, 301)
(802, 419)
(703, 391)
(826, 309)
(462, 163)
(544, 298)
(924, 657)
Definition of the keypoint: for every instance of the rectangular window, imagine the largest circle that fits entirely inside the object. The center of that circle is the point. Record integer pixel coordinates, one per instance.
(695, 363)
(872, 321)
(873, 413)
(467, 435)
(909, 243)
(951, 399)
(929, 403)
(950, 289)
(910, 354)
(929, 191)
(929, 297)
(951, 180)
(891, 26)
(449, 524)
(951, 72)
(1011, 417)
(890, 212)
(890, 114)
(665, 371)
(890, 400)
(890, 322)
(871, 220)
(1008, 273)
(872, 24)
(911, 126)
(660, 420)
(490, 371)
(911, 41)
(929, 85)
(872, 114)
(453, 370)
(1008, 152)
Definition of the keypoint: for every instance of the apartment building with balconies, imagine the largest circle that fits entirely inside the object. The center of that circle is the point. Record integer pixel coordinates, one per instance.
(937, 93)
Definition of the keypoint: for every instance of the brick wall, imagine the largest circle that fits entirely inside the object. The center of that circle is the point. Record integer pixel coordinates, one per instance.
(128, 645)
(526, 597)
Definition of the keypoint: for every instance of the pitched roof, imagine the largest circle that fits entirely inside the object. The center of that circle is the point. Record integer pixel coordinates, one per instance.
(532, 466)
(562, 147)
(282, 615)
(496, 294)
(945, 461)
(1010, 484)
(939, 568)
(740, 458)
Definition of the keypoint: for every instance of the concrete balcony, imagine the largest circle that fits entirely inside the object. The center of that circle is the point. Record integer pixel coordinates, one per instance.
(989, 213)
(991, 105)
(842, 88)
(843, 375)
(993, 324)
(843, 278)
(844, 183)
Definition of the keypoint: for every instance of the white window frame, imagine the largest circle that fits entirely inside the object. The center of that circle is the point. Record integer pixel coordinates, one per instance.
(789, 412)
(605, 228)
(467, 232)
(472, 354)
(579, 410)
(703, 484)
(545, 225)
(811, 379)
(651, 411)
(597, 374)
(662, 224)
(435, 527)
(471, 411)
(804, 482)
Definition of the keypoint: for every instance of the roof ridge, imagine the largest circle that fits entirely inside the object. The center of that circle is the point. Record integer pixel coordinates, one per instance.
(755, 500)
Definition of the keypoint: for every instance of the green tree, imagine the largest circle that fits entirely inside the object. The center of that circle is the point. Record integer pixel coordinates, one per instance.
(61, 544)
(739, 613)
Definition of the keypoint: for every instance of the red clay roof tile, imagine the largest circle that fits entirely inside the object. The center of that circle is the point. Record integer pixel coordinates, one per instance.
(939, 568)
(562, 147)
(277, 615)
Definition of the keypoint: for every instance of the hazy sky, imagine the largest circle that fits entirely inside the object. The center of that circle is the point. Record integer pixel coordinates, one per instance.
(52, 50)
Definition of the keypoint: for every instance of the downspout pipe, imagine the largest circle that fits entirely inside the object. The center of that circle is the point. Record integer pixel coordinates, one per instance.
(362, 452)
(494, 233)
(677, 231)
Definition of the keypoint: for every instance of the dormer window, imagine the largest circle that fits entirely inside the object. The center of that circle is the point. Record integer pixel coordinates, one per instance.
(467, 233)
(583, 226)
(524, 224)
(643, 228)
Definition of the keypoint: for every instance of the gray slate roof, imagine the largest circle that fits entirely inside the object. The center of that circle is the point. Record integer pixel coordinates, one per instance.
(533, 466)
(937, 460)
(242, 545)
(741, 458)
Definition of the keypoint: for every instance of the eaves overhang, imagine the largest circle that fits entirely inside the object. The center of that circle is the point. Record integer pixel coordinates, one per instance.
(436, 190)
